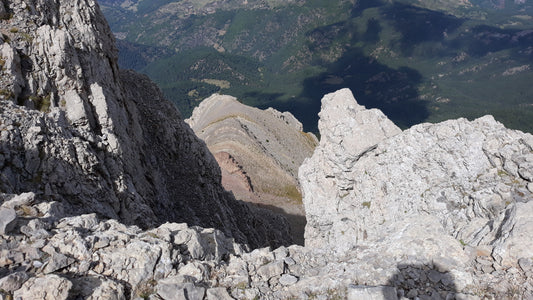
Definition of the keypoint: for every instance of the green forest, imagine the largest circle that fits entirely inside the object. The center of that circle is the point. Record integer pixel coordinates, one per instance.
(417, 63)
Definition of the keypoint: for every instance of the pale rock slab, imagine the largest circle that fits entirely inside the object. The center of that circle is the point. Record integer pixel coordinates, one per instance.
(49, 287)
(462, 175)
(7, 218)
(371, 293)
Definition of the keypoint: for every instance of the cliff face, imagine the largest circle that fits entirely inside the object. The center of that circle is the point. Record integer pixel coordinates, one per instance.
(437, 211)
(80, 132)
(366, 178)
(455, 195)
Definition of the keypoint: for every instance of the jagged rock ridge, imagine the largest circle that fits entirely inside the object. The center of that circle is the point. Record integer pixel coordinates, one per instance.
(454, 195)
(104, 140)
(411, 256)
(440, 211)
(259, 152)
(474, 178)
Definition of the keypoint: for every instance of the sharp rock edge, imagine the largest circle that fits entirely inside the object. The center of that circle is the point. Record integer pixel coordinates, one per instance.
(440, 211)
(87, 137)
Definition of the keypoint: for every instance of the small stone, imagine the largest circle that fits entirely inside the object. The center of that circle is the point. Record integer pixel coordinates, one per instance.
(7, 216)
(423, 277)
(281, 253)
(13, 281)
(101, 243)
(30, 253)
(84, 221)
(526, 264)
(272, 269)
(372, 293)
(4, 261)
(434, 276)
(410, 282)
(435, 295)
(180, 291)
(287, 279)
(450, 296)
(195, 270)
(447, 280)
(412, 293)
(218, 294)
(289, 261)
(484, 262)
(487, 269)
(56, 262)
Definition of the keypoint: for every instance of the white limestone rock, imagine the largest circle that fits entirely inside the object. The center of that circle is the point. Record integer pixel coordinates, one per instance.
(371, 293)
(49, 287)
(347, 132)
(459, 174)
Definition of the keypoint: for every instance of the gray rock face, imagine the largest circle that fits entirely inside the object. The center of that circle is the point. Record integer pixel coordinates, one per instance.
(7, 216)
(348, 131)
(101, 140)
(50, 287)
(441, 194)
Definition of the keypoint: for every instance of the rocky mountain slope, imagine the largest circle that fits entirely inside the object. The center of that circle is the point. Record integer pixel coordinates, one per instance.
(438, 211)
(395, 245)
(472, 178)
(88, 137)
(259, 153)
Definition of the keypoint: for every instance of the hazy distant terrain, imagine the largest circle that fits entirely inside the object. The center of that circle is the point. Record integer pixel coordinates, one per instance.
(424, 60)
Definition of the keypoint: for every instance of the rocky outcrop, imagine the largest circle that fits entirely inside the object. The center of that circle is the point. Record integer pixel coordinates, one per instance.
(88, 258)
(455, 194)
(43, 254)
(78, 131)
(259, 152)
(90, 154)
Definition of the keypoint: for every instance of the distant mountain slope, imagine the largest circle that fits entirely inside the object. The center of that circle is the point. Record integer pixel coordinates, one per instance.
(424, 60)
(259, 153)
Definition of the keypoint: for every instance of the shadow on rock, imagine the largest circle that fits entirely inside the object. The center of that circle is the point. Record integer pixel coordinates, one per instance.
(296, 222)
(423, 282)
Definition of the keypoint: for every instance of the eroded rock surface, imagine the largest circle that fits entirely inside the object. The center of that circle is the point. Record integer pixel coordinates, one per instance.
(94, 162)
(259, 152)
(78, 131)
(454, 193)
(269, 146)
